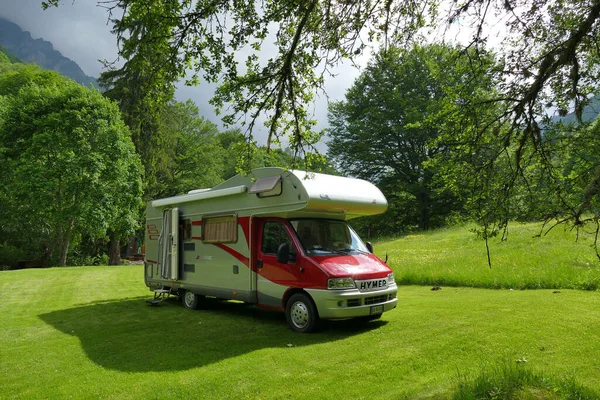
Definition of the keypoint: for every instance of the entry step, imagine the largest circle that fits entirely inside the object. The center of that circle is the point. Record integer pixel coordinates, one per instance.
(159, 296)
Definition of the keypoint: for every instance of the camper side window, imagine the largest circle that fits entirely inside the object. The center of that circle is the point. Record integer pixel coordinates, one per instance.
(274, 234)
(222, 229)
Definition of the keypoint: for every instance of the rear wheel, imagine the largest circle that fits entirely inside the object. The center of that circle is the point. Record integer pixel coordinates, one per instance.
(301, 314)
(190, 300)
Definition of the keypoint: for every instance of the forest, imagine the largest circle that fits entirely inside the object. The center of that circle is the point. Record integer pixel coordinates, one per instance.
(449, 132)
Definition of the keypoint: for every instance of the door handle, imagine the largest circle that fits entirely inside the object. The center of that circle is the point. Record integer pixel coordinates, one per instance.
(259, 263)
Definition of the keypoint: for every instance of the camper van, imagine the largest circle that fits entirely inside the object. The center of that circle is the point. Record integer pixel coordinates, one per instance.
(274, 238)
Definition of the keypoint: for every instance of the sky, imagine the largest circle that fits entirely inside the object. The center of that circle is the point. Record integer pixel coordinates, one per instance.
(80, 31)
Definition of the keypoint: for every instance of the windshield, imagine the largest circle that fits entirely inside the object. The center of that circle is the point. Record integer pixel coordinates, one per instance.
(321, 236)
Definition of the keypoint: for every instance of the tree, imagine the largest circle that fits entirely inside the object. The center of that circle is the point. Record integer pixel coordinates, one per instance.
(386, 130)
(141, 88)
(67, 162)
(193, 158)
(550, 63)
(3, 58)
(242, 157)
(548, 51)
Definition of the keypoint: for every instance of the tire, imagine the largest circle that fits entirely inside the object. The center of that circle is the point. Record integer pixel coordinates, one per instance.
(301, 314)
(190, 300)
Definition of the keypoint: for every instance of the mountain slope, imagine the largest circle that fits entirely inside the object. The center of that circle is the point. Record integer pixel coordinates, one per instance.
(20, 44)
(590, 112)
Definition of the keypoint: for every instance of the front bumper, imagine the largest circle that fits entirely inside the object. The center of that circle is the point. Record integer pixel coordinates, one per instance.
(351, 303)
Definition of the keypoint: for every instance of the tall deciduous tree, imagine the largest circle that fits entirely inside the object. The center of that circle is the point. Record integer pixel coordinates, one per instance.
(193, 157)
(387, 128)
(67, 164)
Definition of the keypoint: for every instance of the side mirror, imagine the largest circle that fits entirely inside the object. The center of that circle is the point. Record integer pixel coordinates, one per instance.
(283, 253)
(369, 246)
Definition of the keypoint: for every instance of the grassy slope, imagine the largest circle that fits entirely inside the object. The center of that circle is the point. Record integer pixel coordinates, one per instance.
(86, 332)
(13, 59)
(456, 257)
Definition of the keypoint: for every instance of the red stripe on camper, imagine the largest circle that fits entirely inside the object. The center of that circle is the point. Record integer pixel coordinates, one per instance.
(234, 253)
(244, 222)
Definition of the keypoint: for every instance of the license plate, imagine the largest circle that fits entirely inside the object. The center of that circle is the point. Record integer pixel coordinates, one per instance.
(377, 309)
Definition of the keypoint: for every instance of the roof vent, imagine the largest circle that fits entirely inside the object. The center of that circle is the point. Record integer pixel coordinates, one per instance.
(268, 186)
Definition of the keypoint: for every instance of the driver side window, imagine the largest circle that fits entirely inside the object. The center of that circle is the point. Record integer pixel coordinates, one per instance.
(274, 234)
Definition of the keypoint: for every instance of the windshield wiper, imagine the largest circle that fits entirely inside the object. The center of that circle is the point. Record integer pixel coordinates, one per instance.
(338, 251)
(359, 251)
(348, 251)
(344, 251)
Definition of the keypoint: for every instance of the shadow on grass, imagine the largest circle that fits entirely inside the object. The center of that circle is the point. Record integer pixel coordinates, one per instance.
(129, 335)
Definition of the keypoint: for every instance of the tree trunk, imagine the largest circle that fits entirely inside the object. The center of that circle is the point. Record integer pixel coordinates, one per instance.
(424, 204)
(114, 252)
(64, 239)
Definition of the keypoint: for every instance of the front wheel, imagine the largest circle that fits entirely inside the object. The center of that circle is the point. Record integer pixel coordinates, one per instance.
(190, 300)
(301, 314)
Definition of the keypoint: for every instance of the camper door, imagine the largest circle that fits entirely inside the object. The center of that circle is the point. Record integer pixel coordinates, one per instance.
(168, 243)
(274, 276)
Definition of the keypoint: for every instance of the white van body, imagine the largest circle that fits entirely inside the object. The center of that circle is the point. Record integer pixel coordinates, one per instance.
(274, 238)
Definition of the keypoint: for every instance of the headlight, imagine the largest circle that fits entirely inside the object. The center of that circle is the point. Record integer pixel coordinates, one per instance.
(340, 283)
(390, 279)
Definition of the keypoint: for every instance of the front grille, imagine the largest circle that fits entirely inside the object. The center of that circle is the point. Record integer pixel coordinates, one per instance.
(376, 299)
(382, 298)
(353, 302)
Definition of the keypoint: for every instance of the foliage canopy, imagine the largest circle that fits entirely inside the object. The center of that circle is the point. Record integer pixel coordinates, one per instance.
(68, 166)
(223, 42)
(393, 121)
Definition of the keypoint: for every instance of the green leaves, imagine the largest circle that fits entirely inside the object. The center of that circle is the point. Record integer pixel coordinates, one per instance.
(69, 166)
(389, 129)
(190, 154)
(164, 41)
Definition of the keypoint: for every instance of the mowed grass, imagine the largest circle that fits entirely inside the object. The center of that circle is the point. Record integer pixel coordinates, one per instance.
(87, 333)
(457, 257)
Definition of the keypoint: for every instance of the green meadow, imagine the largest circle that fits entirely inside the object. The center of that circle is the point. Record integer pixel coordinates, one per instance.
(86, 332)
(559, 259)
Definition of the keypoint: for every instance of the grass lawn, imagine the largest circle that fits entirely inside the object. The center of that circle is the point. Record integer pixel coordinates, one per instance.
(87, 333)
(456, 257)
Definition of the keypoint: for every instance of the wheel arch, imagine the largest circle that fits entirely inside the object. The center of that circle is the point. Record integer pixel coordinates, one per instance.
(292, 291)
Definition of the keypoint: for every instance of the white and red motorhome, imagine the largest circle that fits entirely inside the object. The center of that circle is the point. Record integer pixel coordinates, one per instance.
(274, 238)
